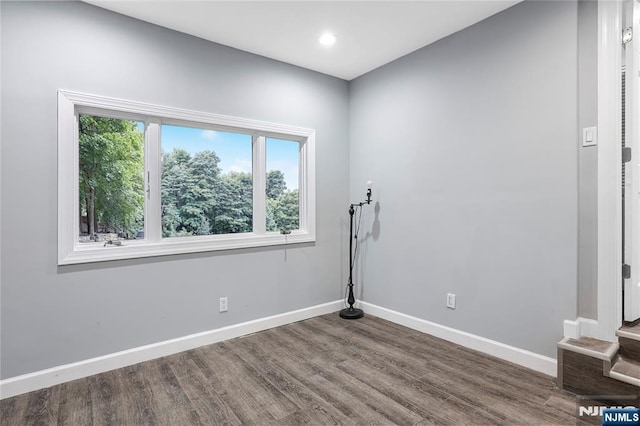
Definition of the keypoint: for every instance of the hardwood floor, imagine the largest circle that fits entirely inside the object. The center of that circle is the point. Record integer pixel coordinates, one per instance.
(321, 371)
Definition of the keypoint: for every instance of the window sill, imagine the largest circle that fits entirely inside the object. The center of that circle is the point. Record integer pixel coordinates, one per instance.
(134, 249)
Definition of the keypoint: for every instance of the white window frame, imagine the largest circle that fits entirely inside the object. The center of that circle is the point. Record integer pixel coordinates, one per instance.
(71, 251)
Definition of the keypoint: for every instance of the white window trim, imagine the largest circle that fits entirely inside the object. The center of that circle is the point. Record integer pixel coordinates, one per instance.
(70, 251)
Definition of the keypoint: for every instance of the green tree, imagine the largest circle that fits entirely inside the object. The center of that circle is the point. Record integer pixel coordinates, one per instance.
(174, 190)
(282, 205)
(111, 168)
(197, 199)
(276, 185)
(234, 208)
(189, 192)
(283, 212)
(170, 220)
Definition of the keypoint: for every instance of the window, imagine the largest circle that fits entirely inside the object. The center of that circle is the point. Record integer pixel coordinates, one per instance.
(139, 180)
(110, 177)
(283, 201)
(207, 183)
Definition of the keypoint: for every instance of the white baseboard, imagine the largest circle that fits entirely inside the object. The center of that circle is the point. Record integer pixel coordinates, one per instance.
(77, 370)
(528, 359)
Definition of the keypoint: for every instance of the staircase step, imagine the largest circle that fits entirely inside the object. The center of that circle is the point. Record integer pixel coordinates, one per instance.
(629, 348)
(592, 367)
(626, 370)
(588, 346)
(629, 332)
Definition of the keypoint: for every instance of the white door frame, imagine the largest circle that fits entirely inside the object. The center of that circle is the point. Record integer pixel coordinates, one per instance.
(631, 300)
(609, 170)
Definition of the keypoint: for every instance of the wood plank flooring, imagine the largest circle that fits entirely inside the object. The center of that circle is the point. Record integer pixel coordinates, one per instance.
(322, 371)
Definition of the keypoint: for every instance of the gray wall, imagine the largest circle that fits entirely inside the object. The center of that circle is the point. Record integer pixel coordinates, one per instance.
(52, 316)
(481, 188)
(472, 143)
(588, 160)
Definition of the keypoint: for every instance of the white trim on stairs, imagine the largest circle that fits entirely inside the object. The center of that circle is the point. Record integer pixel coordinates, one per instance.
(607, 355)
(628, 335)
(579, 328)
(624, 378)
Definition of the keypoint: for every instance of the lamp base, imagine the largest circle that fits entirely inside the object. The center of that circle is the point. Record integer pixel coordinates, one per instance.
(351, 313)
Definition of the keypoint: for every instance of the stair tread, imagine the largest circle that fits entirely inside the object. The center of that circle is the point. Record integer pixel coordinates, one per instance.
(590, 347)
(629, 332)
(628, 368)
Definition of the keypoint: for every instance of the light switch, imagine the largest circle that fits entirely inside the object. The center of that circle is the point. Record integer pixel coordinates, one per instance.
(589, 136)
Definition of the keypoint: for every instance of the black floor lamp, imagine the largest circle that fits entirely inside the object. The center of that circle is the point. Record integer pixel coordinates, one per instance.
(351, 312)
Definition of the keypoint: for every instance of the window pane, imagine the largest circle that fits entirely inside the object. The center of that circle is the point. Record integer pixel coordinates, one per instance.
(111, 178)
(283, 202)
(207, 184)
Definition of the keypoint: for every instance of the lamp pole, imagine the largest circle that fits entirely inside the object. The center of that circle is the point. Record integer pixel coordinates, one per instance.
(351, 312)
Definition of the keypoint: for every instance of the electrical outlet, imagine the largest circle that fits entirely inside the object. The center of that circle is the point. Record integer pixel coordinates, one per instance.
(451, 300)
(224, 304)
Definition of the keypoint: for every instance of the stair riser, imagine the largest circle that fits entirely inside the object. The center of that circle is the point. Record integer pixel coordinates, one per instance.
(629, 348)
(584, 375)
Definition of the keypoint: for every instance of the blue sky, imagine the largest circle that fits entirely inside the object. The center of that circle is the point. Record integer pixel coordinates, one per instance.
(234, 150)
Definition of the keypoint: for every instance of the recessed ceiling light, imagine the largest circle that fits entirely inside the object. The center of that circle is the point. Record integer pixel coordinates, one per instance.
(327, 39)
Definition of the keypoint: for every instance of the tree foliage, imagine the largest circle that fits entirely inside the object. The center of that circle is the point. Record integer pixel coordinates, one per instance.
(234, 211)
(276, 185)
(188, 192)
(282, 211)
(282, 205)
(111, 181)
(197, 198)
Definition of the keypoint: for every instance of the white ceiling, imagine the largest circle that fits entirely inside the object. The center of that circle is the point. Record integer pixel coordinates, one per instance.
(370, 33)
